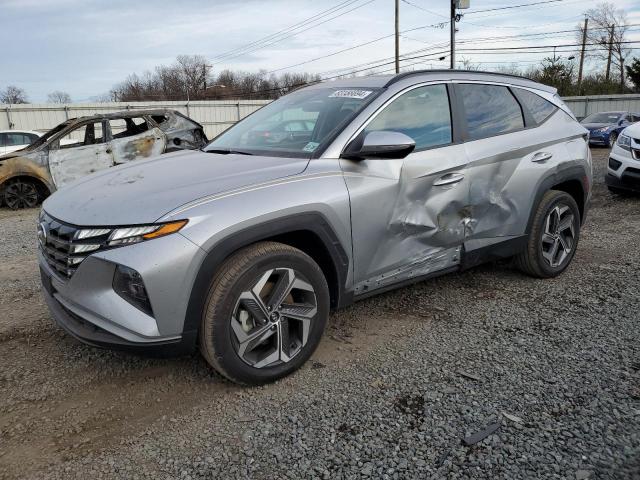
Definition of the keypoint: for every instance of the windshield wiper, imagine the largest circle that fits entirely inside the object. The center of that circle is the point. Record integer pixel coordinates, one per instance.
(227, 151)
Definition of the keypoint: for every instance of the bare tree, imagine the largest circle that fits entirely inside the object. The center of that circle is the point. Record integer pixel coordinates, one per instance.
(466, 64)
(13, 94)
(607, 30)
(58, 96)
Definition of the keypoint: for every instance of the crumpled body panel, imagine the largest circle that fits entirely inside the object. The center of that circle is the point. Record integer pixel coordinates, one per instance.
(403, 225)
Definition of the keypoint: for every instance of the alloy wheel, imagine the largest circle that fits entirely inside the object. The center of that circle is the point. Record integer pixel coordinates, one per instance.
(558, 238)
(271, 321)
(21, 195)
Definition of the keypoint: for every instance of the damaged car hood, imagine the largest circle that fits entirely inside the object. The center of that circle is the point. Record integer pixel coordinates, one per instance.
(143, 191)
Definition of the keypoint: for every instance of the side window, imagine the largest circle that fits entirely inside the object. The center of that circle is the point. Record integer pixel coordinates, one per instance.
(490, 110)
(422, 113)
(32, 137)
(539, 108)
(127, 127)
(634, 118)
(627, 118)
(159, 119)
(87, 134)
(3, 139)
(14, 139)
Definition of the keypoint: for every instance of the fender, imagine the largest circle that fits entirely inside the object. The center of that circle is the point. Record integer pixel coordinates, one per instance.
(575, 172)
(49, 186)
(312, 222)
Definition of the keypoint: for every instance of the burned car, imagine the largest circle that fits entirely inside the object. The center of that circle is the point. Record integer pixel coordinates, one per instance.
(80, 146)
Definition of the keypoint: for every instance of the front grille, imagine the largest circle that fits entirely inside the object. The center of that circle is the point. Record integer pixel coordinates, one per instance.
(631, 177)
(61, 247)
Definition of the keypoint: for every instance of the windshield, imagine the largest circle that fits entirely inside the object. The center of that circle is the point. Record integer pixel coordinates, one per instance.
(45, 138)
(295, 125)
(604, 117)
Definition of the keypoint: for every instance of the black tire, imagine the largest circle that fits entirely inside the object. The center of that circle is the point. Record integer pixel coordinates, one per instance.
(20, 193)
(237, 274)
(532, 260)
(620, 191)
(613, 136)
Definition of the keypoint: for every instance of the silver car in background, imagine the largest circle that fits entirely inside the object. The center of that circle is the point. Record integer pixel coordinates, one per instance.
(333, 193)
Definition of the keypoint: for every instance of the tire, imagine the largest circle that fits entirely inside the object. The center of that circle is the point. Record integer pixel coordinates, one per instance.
(241, 331)
(613, 136)
(19, 193)
(620, 191)
(547, 233)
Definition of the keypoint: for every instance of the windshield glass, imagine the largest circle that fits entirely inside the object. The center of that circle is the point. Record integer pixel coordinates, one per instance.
(295, 125)
(45, 138)
(604, 117)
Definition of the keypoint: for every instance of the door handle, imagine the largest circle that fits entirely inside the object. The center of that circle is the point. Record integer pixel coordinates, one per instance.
(449, 179)
(541, 157)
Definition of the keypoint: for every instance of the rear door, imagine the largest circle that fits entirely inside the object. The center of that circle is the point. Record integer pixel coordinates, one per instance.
(508, 157)
(81, 151)
(133, 138)
(408, 215)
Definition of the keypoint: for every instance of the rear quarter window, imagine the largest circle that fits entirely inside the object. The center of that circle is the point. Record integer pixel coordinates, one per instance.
(539, 108)
(490, 110)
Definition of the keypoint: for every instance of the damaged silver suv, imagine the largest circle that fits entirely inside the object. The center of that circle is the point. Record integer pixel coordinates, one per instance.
(330, 194)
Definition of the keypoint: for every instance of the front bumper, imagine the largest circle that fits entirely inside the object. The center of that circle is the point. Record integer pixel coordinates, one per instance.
(87, 307)
(627, 174)
(88, 333)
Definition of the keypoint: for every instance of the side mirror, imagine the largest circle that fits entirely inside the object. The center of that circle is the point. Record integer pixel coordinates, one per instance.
(380, 144)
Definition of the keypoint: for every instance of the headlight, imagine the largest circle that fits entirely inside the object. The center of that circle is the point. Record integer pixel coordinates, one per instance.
(624, 141)
(94, 238)
(601, 130)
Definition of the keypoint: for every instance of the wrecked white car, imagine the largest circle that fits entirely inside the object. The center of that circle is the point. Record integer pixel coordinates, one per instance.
(84, 145)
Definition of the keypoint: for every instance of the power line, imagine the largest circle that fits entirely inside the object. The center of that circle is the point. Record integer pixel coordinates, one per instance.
(514, 6)
(293, 34)
(289, 28)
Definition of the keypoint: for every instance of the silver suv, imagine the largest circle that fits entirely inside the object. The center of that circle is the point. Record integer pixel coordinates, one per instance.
(333, 193)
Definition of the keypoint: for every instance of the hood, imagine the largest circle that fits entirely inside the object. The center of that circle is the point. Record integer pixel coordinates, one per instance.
(632, 130)
(595, 126)
(143, 191)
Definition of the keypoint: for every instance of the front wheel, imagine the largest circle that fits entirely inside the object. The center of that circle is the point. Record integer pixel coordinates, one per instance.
(613, 136)
(554, 236)
(20, 193)
(265, 314)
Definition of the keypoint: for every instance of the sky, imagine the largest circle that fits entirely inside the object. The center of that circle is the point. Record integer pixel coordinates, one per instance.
(85, 47)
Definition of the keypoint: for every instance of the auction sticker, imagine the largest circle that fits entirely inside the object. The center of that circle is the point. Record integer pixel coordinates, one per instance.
(360, 94)
(310, 147)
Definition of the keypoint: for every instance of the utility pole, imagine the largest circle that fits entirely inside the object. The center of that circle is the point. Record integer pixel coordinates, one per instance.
(455, 17)
(452, 55)
(397, 36)
(610, 49)
(584, 42)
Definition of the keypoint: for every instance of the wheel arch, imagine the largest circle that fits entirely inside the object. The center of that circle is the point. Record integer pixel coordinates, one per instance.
(44, 188)
(309, 232)
(573, 180)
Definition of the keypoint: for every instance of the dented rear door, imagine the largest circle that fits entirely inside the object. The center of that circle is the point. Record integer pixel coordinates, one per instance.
(408, 215)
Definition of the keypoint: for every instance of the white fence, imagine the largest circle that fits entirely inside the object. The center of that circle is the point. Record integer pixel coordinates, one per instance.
(583, 106)
(214, 115)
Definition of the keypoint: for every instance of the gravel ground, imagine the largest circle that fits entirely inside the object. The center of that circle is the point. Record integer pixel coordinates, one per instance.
(397, 384)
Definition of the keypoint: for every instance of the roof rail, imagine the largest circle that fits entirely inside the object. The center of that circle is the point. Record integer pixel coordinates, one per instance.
(401, 76)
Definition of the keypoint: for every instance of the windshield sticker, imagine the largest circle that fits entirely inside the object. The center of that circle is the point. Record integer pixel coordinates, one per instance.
(310, 147)
(360, 94)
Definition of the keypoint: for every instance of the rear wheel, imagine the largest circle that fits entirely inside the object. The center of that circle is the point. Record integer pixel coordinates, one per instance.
(19, 193)
(554, 236)
(265, 313)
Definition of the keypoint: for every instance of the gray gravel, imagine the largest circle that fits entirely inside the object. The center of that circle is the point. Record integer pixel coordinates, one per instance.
(397, 384)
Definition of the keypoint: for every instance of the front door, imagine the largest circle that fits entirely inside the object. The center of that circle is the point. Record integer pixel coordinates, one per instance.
(133, 138)
(81, 152)
(409, 215)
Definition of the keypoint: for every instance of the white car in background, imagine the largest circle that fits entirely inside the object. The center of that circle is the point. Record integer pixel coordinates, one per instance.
(12, 140)
(623, 172)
